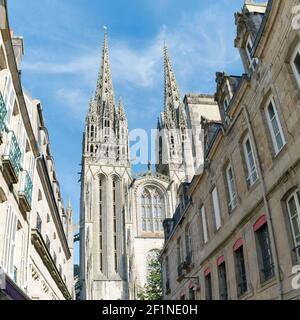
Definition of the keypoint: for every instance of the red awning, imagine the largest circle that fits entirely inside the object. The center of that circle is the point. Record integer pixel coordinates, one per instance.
(238, 244)
(207, 272)
(220, 260)
(260, 223)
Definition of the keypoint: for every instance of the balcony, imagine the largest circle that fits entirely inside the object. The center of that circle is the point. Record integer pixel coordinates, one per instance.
(25, 192)
(3, 113)
(11, 159)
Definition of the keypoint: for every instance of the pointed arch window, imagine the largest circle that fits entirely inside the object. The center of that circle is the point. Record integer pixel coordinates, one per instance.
(115, 221)
(106, 127)
(101, 206)
(152, 211)
(92, 135)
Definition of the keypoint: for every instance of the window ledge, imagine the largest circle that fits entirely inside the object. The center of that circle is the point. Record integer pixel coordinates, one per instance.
(266, 284)
(254, 185)
(278, 155)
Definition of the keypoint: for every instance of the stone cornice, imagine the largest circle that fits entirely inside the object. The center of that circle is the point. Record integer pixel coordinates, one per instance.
(12, 64)
(44, 253)
(45, 179)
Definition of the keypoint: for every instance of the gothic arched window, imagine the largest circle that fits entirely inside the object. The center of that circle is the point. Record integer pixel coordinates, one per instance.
(106, 127)
(101, 206)
(115, 186)
(152, 211)
(92, 132)
(160, 147)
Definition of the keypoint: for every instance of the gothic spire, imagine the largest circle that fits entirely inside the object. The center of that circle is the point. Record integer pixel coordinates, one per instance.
(172, 94)
(104, 91)
(121, 111)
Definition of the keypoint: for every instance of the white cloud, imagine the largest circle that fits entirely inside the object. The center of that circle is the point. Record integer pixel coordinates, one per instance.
(199, 42)
(74, 102)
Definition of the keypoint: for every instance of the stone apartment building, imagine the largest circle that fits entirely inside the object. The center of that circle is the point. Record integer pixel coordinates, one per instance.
(36, 237)
(236, 234)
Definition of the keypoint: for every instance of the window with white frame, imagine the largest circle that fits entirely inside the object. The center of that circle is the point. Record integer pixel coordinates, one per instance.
(252, 60)
(22, 139)
(9, 98)
(293, 204)
(10, 242)
(275, 127)
(204, 224)
(295, 63)
(216, 205)
(250, 161)
(231, 188)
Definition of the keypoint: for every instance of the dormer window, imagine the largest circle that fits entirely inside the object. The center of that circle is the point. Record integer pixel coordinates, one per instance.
(226, 104)
(252, 60)
(295, 63)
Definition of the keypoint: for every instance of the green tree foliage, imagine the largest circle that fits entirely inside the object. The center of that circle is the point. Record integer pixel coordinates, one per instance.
(152, 289)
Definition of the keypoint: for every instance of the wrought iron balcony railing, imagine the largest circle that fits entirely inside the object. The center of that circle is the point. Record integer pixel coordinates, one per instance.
(25, 191)
(3, 113)
(12, 158)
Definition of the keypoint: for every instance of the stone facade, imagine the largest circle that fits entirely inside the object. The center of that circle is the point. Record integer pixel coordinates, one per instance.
(236, 234)
(36, 237)
(121, 212)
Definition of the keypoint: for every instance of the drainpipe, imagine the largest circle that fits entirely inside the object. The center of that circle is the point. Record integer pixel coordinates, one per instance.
(267, 207)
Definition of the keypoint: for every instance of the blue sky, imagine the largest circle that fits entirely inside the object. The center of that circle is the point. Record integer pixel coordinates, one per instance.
(63, 41)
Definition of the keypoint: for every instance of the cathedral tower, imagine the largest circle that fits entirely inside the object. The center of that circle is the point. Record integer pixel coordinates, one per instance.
(105, 176)
(174, 141)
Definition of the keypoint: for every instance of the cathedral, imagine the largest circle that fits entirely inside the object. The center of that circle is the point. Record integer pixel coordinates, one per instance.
(122, 214)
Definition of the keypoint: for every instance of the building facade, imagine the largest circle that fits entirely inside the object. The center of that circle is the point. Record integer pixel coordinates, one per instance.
(36, 237)
(236, 234)
(122, 213)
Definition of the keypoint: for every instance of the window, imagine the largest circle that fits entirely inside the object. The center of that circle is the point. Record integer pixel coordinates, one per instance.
(9, 98)
(204, 224)
(240, 271)
(167, 271)
(252, 61)
(208, 287)
(152, 211)
(293, 204)
(265, 258)
(223, 290)
(106, 128)
(250, 162)
(216, 206)
(192, 296)
(48, 243)
(10, 242)
(158, 216)
(275, 127)
(188, 244)
(38, 223)
(295, 62)
(225, 104)
(54, 258)
(115, 231)
(101, 185)
(231, 189)
(179, 251)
